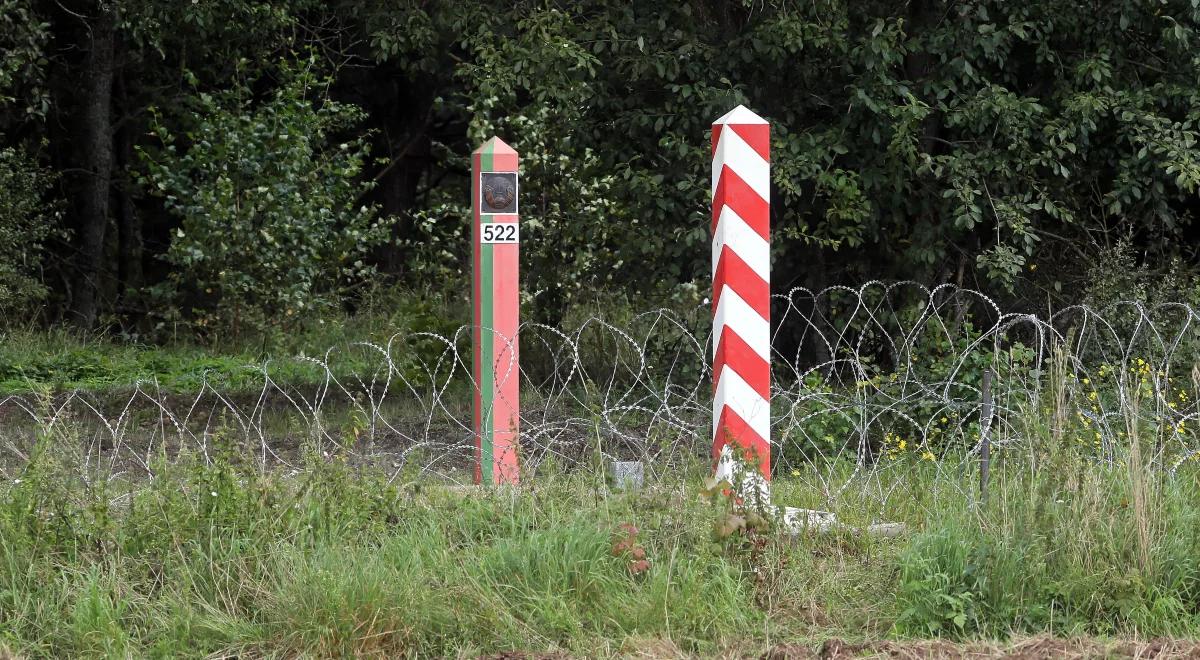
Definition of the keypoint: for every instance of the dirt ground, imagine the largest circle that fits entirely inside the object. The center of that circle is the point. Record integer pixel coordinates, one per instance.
(1037, 648)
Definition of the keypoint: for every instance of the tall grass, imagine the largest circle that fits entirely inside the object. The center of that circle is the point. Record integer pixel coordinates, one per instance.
(1070, 540)
(1066, 550)
(216, 556)
(220, 558)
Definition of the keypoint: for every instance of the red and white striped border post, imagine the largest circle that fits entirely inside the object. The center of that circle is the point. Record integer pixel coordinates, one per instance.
(741, 269)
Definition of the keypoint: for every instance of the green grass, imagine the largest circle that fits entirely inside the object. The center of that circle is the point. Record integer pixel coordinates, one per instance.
(221, 558)
(61, 360)
(65, 363)
(1071, 549)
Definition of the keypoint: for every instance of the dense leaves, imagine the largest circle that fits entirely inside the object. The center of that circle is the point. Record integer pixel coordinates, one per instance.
(26, 220)
(917, 141)
(995, 144)
(272, 223)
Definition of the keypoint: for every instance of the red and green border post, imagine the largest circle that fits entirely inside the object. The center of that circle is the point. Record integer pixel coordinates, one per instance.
(495, 298)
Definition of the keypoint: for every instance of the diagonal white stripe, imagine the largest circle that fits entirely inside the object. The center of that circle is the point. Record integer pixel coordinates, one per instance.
(735, 393)
(732, 151)
(733, 311)
(752, 248)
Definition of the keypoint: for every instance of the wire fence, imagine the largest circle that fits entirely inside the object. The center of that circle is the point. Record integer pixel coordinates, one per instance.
(868, 383)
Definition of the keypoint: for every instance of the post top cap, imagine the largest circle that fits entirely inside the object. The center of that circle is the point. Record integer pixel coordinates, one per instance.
(740, 115)
(495, 146)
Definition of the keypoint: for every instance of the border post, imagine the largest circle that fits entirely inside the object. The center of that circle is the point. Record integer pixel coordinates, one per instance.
(741, 271)
(495, 243)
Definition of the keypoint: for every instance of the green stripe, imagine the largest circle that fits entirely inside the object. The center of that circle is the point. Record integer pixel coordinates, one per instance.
(487, 376)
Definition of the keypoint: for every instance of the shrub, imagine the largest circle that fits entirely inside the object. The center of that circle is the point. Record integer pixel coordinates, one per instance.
(272, 229)
(25, 223)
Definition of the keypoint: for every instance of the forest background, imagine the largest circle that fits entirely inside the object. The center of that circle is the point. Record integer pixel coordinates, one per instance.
(234, 267)
(220, 169)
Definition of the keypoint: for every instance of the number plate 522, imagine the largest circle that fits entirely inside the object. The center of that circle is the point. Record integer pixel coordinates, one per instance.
(499, 232)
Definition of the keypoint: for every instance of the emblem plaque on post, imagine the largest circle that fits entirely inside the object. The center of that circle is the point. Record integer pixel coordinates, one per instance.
(498, 192)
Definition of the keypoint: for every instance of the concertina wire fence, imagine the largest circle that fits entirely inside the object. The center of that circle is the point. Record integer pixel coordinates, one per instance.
(868, 384)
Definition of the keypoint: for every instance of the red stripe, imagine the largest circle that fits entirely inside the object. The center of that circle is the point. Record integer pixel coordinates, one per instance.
(716, 137)
(734, 272)
(733, 352)
(758, 136)
(734, 192)
(505, 322)
(504, 161)
(732, 427)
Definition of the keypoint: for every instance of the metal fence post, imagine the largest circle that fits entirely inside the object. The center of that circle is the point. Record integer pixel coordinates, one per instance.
(985, 428)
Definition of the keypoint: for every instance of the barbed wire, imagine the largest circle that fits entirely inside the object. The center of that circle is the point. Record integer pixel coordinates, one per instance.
(869, 383)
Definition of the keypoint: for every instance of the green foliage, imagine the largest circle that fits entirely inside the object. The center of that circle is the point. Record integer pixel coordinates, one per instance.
(929, 138)
(27, 219)
(213, 555)
(1126, 292)
(273, 227)
(32, 362)
(409, 325)
(874, 404)
(938, 590)
(24, 36)
(1117, 277)
(994, 144)
(1067, 549)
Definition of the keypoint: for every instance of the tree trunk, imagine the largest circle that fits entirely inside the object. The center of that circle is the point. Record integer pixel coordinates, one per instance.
(400, 197)
(95, 160)
(918, 64)
(129, 223)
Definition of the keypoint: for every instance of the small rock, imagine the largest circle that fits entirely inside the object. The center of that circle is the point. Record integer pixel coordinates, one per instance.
(627, 475)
